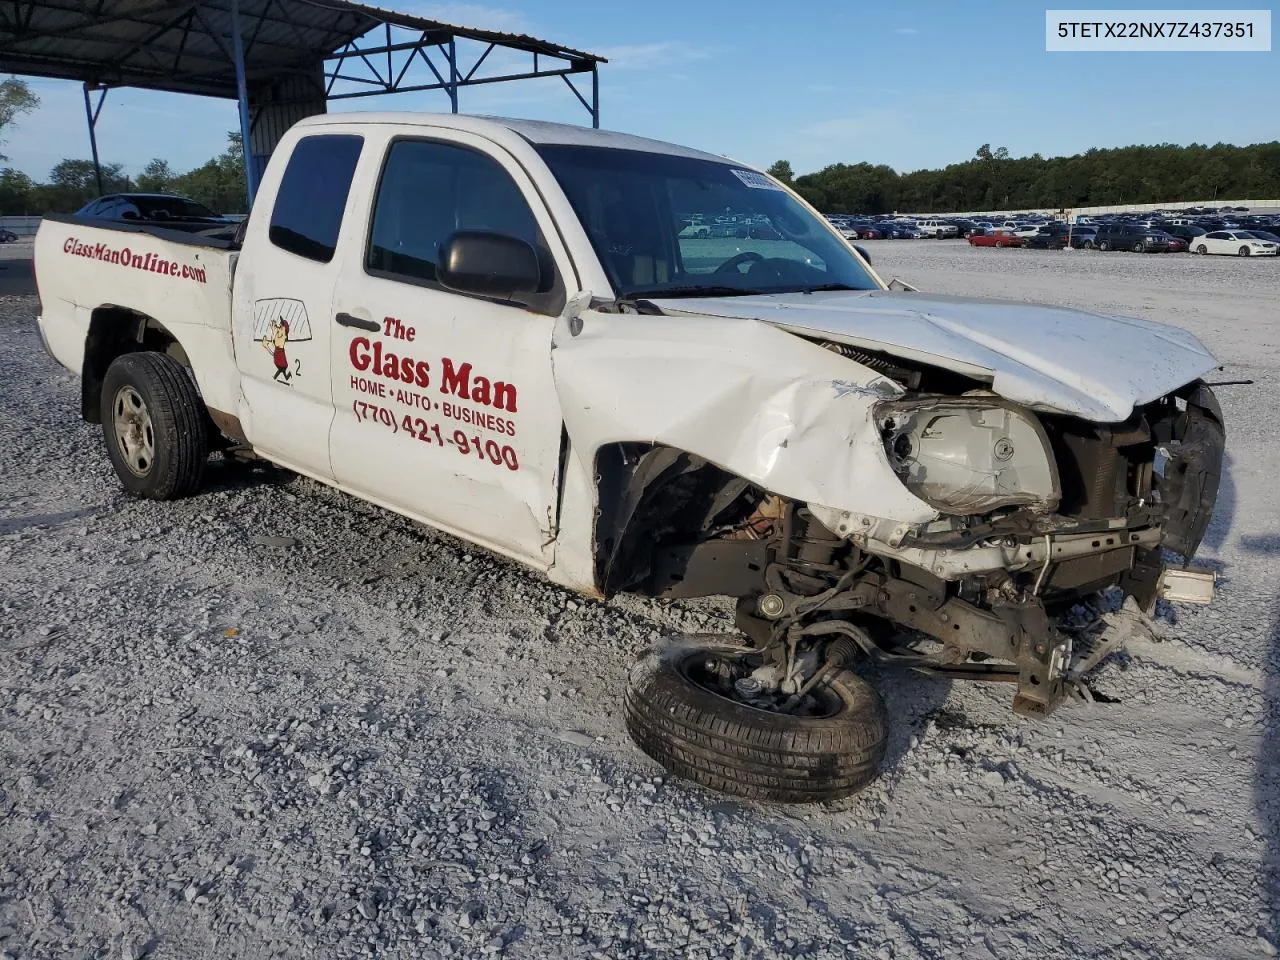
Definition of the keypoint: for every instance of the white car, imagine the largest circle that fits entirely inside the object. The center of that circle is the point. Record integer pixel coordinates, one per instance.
(1026, 230)
(1238, 243)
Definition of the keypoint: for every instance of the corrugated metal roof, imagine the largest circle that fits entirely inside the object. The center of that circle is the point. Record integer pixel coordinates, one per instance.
(185, 47)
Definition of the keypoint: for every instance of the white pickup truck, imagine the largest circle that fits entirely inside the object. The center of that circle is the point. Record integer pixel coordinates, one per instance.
(502, 329)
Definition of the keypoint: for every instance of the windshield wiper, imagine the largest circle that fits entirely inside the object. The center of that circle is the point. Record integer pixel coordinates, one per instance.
(660, 293)
(827, 287)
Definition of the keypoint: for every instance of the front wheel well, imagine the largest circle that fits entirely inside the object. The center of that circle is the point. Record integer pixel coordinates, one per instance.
(671, 523)
(113, 332)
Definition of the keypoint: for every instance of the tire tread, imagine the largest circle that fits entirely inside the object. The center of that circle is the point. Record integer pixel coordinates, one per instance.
(750, 753)
(177, 417)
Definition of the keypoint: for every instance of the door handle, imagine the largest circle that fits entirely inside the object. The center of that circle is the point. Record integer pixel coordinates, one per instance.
(347, 320)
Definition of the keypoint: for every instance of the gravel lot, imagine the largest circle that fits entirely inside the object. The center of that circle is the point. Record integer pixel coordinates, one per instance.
(272, 721)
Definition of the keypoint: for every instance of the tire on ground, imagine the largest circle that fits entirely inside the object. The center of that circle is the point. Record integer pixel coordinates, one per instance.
(178, 420)
(747, 752)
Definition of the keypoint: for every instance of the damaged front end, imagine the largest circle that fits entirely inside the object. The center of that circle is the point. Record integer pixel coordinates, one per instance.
(1038, 514)
(853, 498)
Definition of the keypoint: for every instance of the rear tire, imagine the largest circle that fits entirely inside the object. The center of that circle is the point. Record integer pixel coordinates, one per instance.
(1202, 249)
(153, 421)
(748, 752)
(1139, 247)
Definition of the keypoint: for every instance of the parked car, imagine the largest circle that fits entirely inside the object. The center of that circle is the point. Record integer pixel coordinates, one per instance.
(7, 236)
(1084, 238)
(1185, 231)
(155, 209)
(1127, 236)
(1026, 230)
(762, 229)
(1266, 235)
(1240, 243)
(1172, 244)
(996, 237)
(694, 227)
(1045, 239)
(866, 231)
(938, 229)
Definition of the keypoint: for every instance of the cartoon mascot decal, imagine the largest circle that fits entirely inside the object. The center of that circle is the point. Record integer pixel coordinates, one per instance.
(278, 325)
(277, 336)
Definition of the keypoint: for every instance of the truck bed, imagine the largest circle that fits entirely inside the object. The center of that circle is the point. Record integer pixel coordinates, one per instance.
(180, 281)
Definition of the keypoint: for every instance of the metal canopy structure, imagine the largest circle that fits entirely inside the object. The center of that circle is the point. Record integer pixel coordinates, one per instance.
(280, 59)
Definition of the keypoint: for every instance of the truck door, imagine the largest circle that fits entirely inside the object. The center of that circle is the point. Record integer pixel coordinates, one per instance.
(283, 308)
(445, 405)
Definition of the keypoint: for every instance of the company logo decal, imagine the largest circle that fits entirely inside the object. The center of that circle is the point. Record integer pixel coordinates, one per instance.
(277, 323)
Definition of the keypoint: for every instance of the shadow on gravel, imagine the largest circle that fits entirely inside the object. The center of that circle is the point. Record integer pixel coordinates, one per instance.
(911, 699)
(1263, 543)
(18, 524)
(1267, 785)
(1224, 509)
(223, 475)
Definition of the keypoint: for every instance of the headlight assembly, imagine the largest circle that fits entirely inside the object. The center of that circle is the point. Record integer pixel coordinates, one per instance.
(967, 455)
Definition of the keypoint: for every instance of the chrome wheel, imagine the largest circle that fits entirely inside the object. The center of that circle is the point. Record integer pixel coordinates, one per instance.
(134, 432)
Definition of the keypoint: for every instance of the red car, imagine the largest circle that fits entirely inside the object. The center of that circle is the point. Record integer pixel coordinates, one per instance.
(1176, 244)
(996, 238)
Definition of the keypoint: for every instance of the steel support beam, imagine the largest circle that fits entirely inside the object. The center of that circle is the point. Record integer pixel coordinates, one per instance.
(91, 115)
(457, 77)
(453, 73)
(242, 97)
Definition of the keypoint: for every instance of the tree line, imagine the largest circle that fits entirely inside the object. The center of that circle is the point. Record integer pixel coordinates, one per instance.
(993, 180)
(218, 184)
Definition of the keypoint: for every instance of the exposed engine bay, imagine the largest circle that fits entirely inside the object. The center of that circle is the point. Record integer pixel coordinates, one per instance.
(1037, 514)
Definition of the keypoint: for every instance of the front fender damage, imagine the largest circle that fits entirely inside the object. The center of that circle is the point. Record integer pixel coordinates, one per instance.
(752, 399)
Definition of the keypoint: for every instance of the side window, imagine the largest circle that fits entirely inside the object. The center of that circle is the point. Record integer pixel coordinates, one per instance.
(429, 191)
(312, 195)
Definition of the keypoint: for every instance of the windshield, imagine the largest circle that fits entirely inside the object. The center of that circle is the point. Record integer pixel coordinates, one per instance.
(666, 225)
(157, 208)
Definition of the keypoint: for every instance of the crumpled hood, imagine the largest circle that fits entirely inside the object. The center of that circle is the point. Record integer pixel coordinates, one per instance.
(1051, 359)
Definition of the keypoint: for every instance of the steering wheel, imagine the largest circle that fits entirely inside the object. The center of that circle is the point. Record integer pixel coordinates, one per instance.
(733, 263)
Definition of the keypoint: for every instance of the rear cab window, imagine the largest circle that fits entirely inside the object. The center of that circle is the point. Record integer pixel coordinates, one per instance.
(312, 196)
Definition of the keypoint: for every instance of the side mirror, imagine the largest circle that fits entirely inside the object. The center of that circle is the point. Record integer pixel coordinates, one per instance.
(488, 265)
(862, 252)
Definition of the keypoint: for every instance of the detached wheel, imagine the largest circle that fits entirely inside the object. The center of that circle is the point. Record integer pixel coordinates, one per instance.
(829, 748)
(154, 424)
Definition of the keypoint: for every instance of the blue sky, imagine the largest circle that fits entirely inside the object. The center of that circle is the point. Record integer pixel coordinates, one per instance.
(910, 84)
